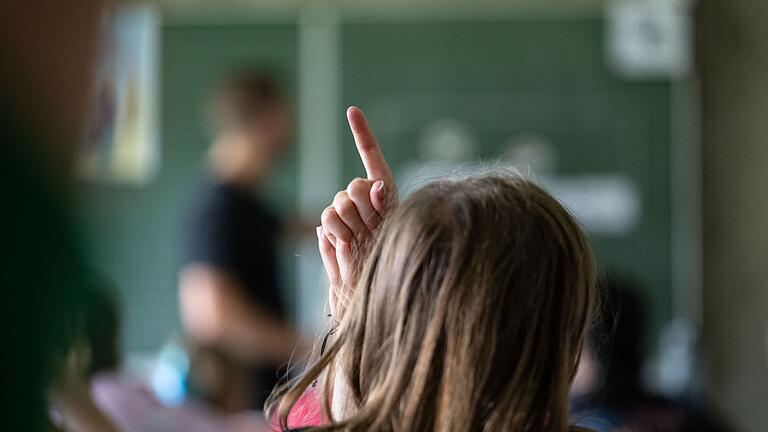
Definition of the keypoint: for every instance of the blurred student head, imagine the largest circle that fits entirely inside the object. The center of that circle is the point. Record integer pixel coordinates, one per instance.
(91, 327)
(251, 125)
(611, 367)
(612, 396)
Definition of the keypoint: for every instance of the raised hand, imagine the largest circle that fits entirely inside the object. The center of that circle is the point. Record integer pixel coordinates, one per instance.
(355, 213)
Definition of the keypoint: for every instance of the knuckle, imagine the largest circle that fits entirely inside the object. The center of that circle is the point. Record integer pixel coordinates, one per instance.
(345, 208)
(340, 196)
(358, 188)
(328, 214)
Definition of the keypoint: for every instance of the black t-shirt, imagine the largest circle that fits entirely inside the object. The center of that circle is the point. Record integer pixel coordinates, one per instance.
(229, 228)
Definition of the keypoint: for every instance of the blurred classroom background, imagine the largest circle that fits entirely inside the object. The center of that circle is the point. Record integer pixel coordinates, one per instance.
(647, 118)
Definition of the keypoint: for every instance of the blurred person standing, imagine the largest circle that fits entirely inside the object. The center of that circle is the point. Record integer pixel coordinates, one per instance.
(231, 306)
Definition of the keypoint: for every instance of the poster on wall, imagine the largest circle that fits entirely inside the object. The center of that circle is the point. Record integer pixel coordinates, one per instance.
(121, 143)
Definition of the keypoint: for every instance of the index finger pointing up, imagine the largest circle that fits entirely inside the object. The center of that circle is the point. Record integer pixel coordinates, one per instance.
(376, 166)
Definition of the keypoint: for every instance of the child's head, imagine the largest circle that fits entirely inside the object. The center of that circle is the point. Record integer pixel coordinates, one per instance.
(469, 313)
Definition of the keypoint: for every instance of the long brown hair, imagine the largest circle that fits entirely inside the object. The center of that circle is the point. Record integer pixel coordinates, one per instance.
(469, 314)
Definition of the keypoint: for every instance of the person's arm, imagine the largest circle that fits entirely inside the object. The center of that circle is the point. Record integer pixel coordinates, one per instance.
(216, 311)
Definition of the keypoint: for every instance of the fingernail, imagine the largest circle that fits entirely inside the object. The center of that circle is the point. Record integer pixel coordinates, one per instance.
(378, 187)
(319, 232)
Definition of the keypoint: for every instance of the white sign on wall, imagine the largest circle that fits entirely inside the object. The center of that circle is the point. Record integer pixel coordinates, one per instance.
(648, 39)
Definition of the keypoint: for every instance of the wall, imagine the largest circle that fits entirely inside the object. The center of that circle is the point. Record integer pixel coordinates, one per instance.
(503, 76)
(734, 66)
(510, 77)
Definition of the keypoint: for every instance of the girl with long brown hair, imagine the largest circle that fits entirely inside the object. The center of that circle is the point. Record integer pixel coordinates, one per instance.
(463, 308)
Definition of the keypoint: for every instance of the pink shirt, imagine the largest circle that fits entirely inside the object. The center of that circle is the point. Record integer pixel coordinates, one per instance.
(308, 411)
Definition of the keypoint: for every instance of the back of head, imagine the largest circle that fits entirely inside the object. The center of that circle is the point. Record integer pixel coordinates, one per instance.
(469, 314)
(242, 99)
(251, 126)
(617, 342)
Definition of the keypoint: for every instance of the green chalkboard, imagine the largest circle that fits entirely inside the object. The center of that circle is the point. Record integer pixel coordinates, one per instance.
(507, 77)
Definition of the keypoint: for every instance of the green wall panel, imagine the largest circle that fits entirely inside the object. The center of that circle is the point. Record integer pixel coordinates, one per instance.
(512, 76)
